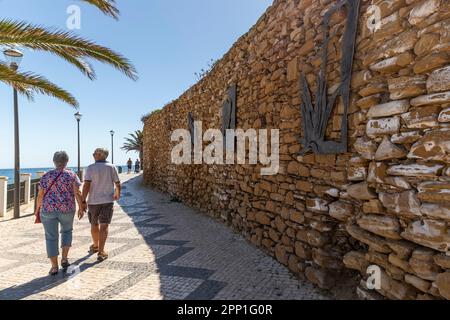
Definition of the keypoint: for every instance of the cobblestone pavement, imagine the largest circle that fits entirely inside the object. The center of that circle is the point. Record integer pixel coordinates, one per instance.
(158, 250)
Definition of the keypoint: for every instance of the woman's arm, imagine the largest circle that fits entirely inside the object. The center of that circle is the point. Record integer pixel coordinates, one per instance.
(40, 197)
(77, 193)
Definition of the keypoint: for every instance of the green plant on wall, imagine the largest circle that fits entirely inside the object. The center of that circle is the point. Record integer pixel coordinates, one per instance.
(148, 115)
(204, 72)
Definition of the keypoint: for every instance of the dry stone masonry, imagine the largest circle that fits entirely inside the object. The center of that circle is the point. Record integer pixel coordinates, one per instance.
(386, 202)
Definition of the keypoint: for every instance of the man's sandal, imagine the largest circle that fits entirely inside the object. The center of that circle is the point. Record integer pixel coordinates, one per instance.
(93, 249)
(102, 256)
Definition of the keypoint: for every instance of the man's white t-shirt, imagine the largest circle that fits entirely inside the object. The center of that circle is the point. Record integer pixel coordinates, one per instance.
(102, 176)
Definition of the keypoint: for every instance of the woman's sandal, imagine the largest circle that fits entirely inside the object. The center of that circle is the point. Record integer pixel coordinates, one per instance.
(53, 271)
(93, 249)
(102, 256)
(65, 264)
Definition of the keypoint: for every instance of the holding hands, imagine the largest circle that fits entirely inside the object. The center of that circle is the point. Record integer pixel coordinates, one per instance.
(82, 210)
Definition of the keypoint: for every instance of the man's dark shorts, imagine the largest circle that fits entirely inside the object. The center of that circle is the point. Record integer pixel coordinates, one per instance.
(101, 213)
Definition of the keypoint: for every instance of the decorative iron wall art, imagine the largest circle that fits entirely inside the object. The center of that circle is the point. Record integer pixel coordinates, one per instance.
(229, 110)
(191, 127)
(315, 118)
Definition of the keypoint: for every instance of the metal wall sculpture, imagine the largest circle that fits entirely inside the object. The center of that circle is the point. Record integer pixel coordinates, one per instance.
(191, 127)
(315, 119)
(229, 110)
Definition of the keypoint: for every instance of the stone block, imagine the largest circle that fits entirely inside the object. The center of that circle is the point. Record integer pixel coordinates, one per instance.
(434, 191)
(388, 109)
(356, 260)
(443, 284)
(341, 211)
(429, 233)
(407, 87)
(361, 191)
(374, 242)
(404, 204)
(431, 99)
(439, 80)
(319, 277)
(388, 151)
(366, 148)
(423, 10)
(436, 211)
(383, 126)
(434, 146)
(415, 170)
(384, 226)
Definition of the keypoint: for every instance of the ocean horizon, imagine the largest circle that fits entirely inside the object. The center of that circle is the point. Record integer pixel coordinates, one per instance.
(10, 172)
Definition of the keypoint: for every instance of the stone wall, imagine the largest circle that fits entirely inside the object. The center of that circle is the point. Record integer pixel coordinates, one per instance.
(386, 202)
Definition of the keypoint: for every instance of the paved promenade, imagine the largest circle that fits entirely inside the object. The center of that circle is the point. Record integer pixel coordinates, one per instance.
(158, 250)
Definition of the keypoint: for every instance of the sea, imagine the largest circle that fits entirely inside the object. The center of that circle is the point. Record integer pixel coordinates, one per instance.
(10, 172)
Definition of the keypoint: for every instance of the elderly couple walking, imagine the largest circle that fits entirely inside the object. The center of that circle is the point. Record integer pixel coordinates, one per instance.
(60, 188)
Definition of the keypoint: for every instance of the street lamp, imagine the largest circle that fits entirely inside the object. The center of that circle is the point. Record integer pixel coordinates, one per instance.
(112, 146)
(13, 57)
(78, 117)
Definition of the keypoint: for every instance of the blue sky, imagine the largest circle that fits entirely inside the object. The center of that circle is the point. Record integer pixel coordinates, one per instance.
(167, 40)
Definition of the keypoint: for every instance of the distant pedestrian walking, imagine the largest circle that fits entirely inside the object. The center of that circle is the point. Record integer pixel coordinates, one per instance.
(137, 166)
(129, 165)
(56, 207)
(102, 185)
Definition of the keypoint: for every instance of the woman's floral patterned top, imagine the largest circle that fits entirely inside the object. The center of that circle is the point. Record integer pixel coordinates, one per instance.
(61, 197)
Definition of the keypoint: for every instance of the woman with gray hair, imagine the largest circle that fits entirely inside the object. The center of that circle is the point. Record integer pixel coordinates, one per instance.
(56, 206)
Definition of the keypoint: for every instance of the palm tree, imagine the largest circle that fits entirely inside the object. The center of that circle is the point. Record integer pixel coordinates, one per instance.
(63, 44)
(29, 83)
(135, 143)
(67, 46)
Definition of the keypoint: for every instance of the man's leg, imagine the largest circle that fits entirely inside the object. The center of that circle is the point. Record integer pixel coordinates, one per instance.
(104, 228)
(95, 232)
(95, 225)
(105, 218)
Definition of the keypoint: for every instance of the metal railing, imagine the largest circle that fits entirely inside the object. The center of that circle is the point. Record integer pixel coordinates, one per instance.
(10, 193)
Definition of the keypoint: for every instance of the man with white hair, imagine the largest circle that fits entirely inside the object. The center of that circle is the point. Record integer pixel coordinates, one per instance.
(102, 185)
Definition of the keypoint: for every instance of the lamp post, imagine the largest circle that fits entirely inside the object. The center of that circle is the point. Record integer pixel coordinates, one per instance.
(78, 117)
(112, 146)
(13, 58)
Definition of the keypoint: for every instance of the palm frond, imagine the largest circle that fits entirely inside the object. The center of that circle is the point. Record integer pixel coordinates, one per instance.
(81, 64)
(135, 143)
(29, 83)
(65, 44)
(108, 7)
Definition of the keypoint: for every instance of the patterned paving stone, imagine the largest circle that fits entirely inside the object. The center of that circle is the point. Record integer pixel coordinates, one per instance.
(158, 250)
(86, 283)
(9, 242)
(156, 287)
(6, 262)
(135, 233)
(15, 277)
(35, 248)
(142, 254)
(80, 251)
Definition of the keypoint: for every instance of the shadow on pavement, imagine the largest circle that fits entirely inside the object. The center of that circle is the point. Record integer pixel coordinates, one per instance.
(40, 285)
(175, 282)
